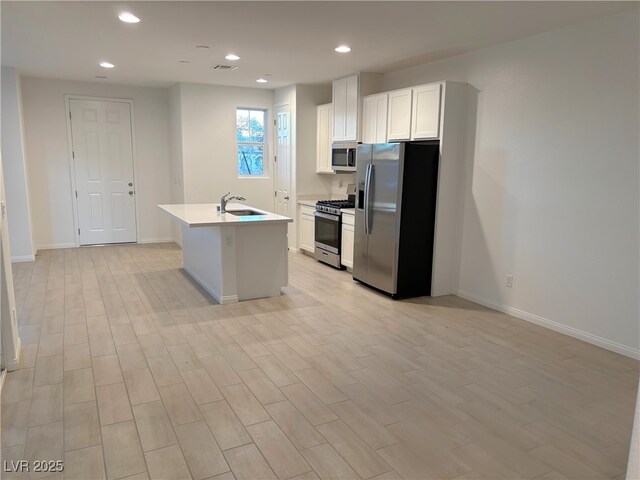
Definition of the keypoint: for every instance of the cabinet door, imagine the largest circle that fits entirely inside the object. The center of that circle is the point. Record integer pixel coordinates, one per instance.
(339, 110)
(323, 138)
(399, 115)
(369, 119)
(351, 109)
(346, 254)
(381, 118)
(374, 118)
(307, 232)
(425, 123)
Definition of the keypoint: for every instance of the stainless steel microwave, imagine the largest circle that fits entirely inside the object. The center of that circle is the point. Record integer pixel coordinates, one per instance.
(343, 157)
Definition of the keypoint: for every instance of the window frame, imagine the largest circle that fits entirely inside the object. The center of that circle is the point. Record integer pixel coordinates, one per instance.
(264, 144)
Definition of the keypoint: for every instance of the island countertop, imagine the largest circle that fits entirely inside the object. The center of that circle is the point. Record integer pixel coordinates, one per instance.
(207, 215)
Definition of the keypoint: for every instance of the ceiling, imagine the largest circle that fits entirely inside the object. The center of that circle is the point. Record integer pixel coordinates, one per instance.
(292, 41)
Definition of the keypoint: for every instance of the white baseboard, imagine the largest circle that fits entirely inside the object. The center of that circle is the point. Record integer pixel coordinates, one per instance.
(294, 250)
(23, 258)
(12, 364)
(555, 326)
(157, 240)
(56, 246)
(221, 299)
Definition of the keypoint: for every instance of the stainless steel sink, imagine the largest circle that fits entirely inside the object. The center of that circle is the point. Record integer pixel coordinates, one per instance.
(244, 213)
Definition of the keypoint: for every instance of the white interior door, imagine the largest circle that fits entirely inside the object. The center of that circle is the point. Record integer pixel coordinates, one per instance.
(103, 159)
(283, 160)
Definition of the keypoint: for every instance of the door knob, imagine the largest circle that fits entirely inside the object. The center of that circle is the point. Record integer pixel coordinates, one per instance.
(286, 198)
(130, 192)
(130, 184)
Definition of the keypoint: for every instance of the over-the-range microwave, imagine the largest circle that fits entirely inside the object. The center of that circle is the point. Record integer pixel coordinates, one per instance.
(343, 157)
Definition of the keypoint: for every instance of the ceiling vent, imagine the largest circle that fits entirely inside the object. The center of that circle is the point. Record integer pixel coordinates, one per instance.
(224, 68)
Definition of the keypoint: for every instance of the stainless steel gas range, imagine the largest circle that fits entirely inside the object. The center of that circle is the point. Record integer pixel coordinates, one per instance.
(328, 230)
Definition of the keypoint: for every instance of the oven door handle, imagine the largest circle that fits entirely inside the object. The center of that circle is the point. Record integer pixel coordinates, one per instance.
(335, 218)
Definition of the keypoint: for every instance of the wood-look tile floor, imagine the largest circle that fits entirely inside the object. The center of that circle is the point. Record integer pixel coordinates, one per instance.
(129, 370)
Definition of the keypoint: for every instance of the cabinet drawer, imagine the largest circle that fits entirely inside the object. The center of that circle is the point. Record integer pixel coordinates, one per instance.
(307, 210)
(348, 218)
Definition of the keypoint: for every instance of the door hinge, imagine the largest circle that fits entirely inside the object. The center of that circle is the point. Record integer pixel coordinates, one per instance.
(275, 158)
(78, 231)
(274, 122)
(76, 193)
(69, 115)
(73, 154)
(275, 194)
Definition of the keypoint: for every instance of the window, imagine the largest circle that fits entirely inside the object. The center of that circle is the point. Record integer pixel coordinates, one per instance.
(251, 141)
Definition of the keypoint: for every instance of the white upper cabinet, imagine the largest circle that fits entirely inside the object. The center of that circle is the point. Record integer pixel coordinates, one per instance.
(374, 118)
(425, 122)
(399, 115)
(323, 138)
(345, 109)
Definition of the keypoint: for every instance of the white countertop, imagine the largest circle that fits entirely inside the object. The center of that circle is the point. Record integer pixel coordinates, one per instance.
(207, 215)
(310, 200)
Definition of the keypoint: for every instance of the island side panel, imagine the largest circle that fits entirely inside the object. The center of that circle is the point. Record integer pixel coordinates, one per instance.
(208, 255)
(262, 261)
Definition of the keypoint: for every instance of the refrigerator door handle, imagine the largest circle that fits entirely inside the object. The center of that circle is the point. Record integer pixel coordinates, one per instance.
(367, 184)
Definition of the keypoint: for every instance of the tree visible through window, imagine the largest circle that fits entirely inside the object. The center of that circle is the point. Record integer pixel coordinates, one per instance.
(250, 136)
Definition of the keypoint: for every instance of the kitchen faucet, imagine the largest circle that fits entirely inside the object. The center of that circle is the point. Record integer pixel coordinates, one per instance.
(224, 200)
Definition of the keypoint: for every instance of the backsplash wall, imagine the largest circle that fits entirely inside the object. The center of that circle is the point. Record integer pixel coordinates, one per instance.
(339, 183)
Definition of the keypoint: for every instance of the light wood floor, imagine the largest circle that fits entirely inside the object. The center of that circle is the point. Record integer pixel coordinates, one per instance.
(130, 370)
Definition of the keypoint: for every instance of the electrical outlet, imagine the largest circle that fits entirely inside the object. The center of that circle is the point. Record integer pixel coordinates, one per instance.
(509, 281)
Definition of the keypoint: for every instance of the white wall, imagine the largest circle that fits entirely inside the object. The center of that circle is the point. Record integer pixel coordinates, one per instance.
(209, 161)
(553, 177)
(47, 156)
(15, 171)
(308, 97)
(9, 341)
(302, 101)
(175, 157)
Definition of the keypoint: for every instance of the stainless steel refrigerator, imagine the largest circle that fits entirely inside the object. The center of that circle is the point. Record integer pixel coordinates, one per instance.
(395, 216)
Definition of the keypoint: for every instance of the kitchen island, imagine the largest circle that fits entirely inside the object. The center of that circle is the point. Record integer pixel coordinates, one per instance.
(237, 256)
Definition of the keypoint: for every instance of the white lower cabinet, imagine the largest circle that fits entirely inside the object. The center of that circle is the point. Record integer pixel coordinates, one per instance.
(307, 228)
(348, 233)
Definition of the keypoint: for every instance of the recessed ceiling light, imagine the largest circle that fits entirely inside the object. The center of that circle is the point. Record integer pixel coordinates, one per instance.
(106, 65)
(262, 80)
(343, 49)
(231, 56)
(128, 17)
(101, 77)
(184, 61)
(204, 47)
(267, 75)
